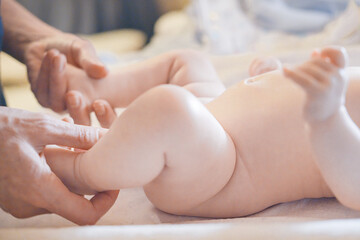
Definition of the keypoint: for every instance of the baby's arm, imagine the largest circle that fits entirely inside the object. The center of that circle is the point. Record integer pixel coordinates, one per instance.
(185, 68)
(334, 136)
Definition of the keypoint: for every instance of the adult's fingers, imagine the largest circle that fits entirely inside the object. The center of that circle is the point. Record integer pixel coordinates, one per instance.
(71, 121)
(77, 208)
(103, 201)
(104, 113)
(80, 53)
(77, 108)
(70, 135)
(30, 211)
(41, 86)
(84, 55)
(57, 83)
(33, 65)
(20, 209)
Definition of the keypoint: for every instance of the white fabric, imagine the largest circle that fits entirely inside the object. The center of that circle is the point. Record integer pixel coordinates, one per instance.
(133, 208)
(334, 229)
(294, 220)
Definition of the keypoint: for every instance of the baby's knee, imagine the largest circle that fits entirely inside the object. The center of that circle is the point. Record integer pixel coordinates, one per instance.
(173, 101)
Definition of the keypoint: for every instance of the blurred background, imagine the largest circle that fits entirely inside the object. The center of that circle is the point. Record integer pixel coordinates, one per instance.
(215, 20)
(93, 16)
(115, 27)
(124, 31)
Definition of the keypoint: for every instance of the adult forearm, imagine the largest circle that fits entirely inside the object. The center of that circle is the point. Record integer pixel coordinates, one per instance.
(21, 28)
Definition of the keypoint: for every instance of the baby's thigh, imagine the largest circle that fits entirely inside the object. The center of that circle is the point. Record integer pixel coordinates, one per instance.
(200, 158)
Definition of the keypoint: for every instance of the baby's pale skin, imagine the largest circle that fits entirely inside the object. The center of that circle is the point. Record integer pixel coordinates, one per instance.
(200, 150)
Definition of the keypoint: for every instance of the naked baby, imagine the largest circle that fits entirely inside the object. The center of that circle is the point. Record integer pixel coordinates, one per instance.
(200, 150)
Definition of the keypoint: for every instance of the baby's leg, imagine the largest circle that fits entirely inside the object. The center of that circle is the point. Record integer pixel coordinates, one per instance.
(166, 141)
(62, 162)
(334, 136)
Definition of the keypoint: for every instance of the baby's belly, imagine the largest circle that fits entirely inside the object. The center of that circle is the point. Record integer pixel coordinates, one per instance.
(274, 156)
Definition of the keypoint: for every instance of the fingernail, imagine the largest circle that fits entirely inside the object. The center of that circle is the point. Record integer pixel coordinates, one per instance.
(99, 109)
(74, 101)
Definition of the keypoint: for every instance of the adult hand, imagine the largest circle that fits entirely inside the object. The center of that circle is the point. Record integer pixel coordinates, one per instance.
(47, 77)
(27, 185)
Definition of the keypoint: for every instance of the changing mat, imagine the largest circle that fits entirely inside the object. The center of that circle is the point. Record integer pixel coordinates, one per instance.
(138, 219)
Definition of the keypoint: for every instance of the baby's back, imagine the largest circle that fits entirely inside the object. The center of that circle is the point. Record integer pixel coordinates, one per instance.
(263, 115)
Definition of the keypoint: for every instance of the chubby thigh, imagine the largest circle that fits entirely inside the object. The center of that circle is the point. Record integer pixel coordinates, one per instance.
(200, 158)
(169, 143)
(193, 176)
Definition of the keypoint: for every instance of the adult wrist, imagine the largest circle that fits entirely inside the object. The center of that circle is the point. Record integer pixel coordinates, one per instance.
(21, 28)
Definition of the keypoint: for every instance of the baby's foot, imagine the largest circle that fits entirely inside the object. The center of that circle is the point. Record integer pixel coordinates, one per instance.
(324, 80)
(262, 65)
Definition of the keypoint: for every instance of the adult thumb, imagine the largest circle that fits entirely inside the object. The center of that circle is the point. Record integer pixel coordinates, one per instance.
(85, 56)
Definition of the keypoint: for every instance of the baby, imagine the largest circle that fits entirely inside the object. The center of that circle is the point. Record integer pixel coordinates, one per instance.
(200, 150)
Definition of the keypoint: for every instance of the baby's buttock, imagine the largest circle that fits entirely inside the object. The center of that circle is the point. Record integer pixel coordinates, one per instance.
(259, 182)
(274, 156)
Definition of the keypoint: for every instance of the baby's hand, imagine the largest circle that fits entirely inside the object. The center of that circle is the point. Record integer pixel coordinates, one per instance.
(262, 65)
(324, 80)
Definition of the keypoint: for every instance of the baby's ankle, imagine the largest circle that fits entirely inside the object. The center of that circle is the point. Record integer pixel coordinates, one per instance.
(82, 184)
